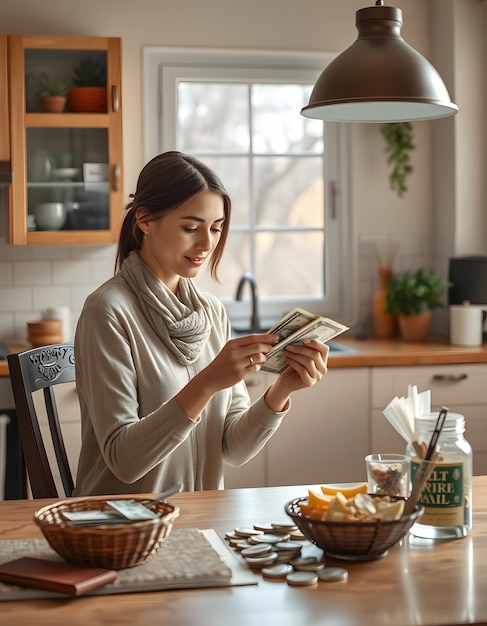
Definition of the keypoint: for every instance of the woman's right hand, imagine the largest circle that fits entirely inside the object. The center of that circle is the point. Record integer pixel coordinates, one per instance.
(239, 358)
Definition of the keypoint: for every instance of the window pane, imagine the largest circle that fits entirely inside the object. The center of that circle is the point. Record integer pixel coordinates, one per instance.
(235, 261)
(289, 191)
(234, 173)
(290, 264)
(213, 117)
(277, 125)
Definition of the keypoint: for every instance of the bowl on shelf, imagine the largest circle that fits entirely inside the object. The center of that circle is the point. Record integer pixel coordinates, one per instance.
(44, 332)
(352, 540)
(114, 546)
(50, 215)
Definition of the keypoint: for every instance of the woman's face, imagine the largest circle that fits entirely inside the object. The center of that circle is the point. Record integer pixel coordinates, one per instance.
(180, 242)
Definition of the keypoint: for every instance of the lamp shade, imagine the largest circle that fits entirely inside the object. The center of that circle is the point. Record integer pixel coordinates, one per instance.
(379, 78)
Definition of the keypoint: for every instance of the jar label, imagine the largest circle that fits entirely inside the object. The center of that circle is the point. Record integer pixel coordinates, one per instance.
(442, 497)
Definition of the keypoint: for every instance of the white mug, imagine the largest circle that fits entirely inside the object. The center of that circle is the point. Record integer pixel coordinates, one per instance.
(466, 324)
(60, 313)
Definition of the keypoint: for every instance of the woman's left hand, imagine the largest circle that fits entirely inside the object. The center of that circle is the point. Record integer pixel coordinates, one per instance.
(307, 365)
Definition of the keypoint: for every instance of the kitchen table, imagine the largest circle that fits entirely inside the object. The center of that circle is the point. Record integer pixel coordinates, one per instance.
(426, 583)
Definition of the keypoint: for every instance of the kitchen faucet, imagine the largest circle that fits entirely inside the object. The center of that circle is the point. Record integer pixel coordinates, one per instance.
(248, 278)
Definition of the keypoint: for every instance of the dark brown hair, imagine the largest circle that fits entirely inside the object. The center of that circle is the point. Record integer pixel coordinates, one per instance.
(165, 183)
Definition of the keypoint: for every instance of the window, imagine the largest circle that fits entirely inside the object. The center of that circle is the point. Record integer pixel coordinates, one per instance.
(239, 112)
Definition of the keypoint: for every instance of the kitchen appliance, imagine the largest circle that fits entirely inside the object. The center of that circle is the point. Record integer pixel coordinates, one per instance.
(468, 277)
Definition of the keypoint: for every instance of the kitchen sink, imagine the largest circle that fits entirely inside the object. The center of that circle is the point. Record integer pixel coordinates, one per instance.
(338, 348)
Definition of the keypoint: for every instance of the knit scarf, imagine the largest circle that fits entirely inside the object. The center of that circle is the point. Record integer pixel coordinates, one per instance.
(181, 323)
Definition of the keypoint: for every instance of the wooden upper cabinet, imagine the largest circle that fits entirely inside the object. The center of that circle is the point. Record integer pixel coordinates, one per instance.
(4, 134)
(67, 166)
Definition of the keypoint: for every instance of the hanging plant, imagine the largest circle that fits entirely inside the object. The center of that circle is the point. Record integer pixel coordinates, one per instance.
(399, 140)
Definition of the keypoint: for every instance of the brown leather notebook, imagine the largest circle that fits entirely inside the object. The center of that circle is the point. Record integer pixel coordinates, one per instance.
(55, 576)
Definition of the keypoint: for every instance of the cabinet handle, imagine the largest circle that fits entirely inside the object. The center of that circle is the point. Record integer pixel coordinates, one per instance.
(451, 378)
(115, 98)
(116, 177)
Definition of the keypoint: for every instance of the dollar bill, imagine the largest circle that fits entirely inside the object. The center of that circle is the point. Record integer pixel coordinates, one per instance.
(297, 325)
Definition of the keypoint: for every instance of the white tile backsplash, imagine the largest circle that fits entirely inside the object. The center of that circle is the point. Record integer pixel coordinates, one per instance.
(34, 278)
(30, 273)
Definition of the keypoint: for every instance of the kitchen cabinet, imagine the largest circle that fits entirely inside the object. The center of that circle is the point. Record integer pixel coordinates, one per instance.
(4, 123)
(460, 387)
(323, 438)
(69, 161)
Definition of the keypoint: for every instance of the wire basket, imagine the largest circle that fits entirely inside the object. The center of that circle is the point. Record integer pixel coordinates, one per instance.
(114, 546)
(354, 540)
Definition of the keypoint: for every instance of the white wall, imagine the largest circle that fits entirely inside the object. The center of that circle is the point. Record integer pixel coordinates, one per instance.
(33, 278)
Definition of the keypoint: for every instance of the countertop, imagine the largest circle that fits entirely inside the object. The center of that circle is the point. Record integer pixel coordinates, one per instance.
(380, 353)
(418, 583)
(386, 352)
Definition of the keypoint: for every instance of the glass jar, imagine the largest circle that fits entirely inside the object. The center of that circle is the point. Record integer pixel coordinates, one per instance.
(447, 496)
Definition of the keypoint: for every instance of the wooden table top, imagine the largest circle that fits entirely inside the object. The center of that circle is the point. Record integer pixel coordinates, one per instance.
(442, 582)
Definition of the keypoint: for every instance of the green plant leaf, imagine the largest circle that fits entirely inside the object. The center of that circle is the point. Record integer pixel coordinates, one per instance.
(399, 145)
(413, 292)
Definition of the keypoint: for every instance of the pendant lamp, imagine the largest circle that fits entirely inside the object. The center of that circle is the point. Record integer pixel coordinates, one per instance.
(379, 78)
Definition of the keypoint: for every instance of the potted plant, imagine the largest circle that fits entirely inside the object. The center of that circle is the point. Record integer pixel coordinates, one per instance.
(89, 94)
(399, 145)
(53, 97)
(411, 297)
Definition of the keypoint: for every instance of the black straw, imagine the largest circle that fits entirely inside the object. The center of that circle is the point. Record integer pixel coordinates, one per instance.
(436, 433)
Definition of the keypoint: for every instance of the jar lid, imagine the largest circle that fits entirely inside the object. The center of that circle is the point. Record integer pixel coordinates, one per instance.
(454, 422)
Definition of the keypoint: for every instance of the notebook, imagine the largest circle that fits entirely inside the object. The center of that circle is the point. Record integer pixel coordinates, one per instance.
(55, 576)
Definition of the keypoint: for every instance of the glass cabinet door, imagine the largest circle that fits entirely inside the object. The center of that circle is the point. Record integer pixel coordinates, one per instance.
(67, 179)
(66, 151)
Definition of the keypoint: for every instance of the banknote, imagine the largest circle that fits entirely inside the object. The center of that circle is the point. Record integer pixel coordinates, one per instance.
(297, 325)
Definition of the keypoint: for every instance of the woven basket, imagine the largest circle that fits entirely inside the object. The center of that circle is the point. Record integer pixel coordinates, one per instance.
(352, 541)
(114, 546)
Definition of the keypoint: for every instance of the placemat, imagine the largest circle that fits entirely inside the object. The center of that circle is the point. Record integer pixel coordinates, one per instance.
(189, 558)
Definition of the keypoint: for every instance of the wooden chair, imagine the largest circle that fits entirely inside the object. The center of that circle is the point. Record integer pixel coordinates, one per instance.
(42, 368)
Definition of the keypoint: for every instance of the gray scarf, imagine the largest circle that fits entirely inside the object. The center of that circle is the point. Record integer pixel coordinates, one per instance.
(182, 324)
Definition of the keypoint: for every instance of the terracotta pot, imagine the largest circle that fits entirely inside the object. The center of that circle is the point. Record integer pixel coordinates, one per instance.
(384, 324)
(53, 104)
(87, 100)
(415, 328)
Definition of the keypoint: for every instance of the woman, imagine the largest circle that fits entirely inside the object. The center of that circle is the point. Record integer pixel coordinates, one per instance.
(160, 382)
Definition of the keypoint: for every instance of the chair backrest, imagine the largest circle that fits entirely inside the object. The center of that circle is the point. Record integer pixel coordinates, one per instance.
(30, 371)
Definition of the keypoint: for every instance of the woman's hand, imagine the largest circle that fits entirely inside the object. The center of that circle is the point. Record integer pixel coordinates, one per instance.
(237, 359)
(307, 365)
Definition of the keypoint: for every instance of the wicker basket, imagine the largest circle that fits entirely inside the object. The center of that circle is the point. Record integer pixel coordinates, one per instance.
(115, 546)
(352, 541)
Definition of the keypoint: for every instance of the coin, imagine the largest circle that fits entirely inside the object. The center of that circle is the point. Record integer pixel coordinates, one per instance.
(256, 550)
(302, 579)
(333, 573)
(247, 532)
(277, 571)
(261, 561)
(266, 538)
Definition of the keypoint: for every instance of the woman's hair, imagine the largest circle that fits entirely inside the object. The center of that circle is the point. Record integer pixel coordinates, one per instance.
(165, 183)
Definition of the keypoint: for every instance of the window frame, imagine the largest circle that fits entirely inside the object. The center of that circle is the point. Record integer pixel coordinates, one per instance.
(159, 134)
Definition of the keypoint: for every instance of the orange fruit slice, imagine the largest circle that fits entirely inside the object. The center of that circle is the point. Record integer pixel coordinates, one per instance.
(348, 492)
(338, 510)
(309, 511)
(319, 500)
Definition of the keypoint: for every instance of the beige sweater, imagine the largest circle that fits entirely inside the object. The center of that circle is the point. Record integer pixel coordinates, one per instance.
(135, 438)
